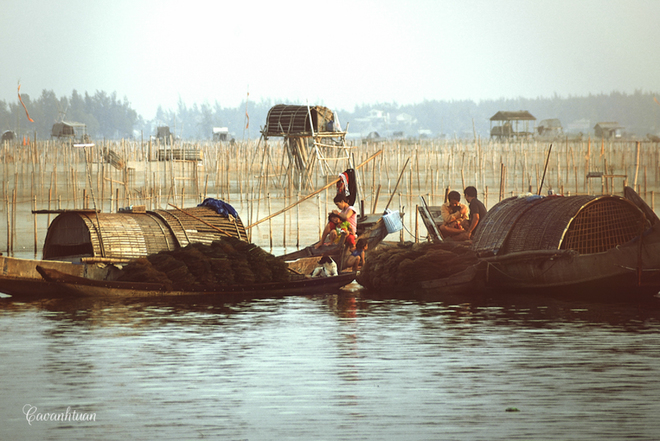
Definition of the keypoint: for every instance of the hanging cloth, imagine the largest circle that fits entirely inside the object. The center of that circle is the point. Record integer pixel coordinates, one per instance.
(347, 185)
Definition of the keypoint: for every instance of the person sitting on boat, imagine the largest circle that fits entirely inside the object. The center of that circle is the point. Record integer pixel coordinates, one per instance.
(345, 229)
(454, 216)
(477, 210)
(357, 257)
(336, 228)
(346, 213)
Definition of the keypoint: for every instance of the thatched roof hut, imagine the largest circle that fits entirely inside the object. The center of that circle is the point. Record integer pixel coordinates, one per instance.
(586, 224)
(298, 121)
(608, 130)
(62, 129)
(69, 129)
(521, 115)
(8, 135)
(512, 124)
(550, 126)
(84, 235)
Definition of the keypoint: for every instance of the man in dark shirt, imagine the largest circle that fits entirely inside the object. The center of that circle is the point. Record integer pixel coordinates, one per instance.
(477, 210)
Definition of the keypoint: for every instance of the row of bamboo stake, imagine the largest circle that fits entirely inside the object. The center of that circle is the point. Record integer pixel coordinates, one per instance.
(258, 180)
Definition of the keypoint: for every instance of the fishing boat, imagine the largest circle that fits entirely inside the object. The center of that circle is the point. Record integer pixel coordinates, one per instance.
(87, 243)
(107, 289)
(602, 245)
(373, 228)
(20, 278)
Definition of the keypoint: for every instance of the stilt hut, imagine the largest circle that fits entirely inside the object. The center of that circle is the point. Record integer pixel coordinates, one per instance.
(88, 236)
(311, 134)
(69, 130)
(518, 124)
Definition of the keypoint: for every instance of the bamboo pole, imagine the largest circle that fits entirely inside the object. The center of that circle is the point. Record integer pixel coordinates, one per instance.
(397, 185)
(637, 149)
(270, 224)
(7, 211)
(13, 220)
(333, 182)
(34, 216)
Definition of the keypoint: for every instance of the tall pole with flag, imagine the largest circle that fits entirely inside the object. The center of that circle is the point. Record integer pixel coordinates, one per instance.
(23, 104)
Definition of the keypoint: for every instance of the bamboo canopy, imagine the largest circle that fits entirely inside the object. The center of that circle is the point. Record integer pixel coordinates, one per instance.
(586, 224)
(87, 235)
(299, 121)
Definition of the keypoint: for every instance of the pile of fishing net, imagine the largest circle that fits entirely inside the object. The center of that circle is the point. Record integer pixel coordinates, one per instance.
(199, 267)
(403, 267)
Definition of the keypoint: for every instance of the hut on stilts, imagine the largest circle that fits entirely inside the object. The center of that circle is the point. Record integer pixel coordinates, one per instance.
(312, 136)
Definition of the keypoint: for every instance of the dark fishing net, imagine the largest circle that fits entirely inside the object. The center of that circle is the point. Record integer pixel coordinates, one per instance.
(403, 267)
(200, 267)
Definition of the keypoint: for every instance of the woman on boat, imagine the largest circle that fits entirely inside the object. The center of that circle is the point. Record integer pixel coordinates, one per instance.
(346, 213)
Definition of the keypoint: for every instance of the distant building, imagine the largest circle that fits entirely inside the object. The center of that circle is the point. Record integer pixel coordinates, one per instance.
(581, 125)
(164, 135)
(220, 133)
(608, 130)
(374, 137)
(375, 117)
(405, 119)
(512, 124)
(71, 130)
(8, 135)
(550, 127)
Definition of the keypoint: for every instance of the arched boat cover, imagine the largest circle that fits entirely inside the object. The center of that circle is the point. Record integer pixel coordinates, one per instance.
(586, 224)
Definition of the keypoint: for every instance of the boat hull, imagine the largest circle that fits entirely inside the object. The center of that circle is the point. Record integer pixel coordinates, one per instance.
(623, 270)
(20, 278)
(81, 286)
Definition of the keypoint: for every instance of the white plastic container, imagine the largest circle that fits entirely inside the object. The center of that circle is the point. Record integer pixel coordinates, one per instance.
(392, 221)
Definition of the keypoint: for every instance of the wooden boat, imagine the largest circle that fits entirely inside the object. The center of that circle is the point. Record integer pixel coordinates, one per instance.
(85, 243)
(83, 286)
(464, 281)
(375, 230)
(20, 278)
(603, 245)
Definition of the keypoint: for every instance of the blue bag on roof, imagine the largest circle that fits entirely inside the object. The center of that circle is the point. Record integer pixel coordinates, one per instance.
(220, 207)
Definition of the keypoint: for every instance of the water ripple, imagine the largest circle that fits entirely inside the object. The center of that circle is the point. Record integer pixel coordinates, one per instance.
(332, 367)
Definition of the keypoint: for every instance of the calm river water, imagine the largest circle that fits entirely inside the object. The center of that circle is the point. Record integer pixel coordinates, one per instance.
(353, 366)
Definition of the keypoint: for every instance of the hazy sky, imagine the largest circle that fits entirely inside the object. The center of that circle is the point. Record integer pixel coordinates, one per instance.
(337, 53)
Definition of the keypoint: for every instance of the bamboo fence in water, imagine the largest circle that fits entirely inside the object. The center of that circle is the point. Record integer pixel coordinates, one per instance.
(257, 179)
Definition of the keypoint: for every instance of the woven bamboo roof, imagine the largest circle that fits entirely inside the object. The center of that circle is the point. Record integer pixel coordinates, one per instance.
(513, 116)
(125, 236)
(294, 120)
(586, 224)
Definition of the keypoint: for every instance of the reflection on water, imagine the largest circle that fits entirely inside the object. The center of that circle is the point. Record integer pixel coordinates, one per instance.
(347, 366)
